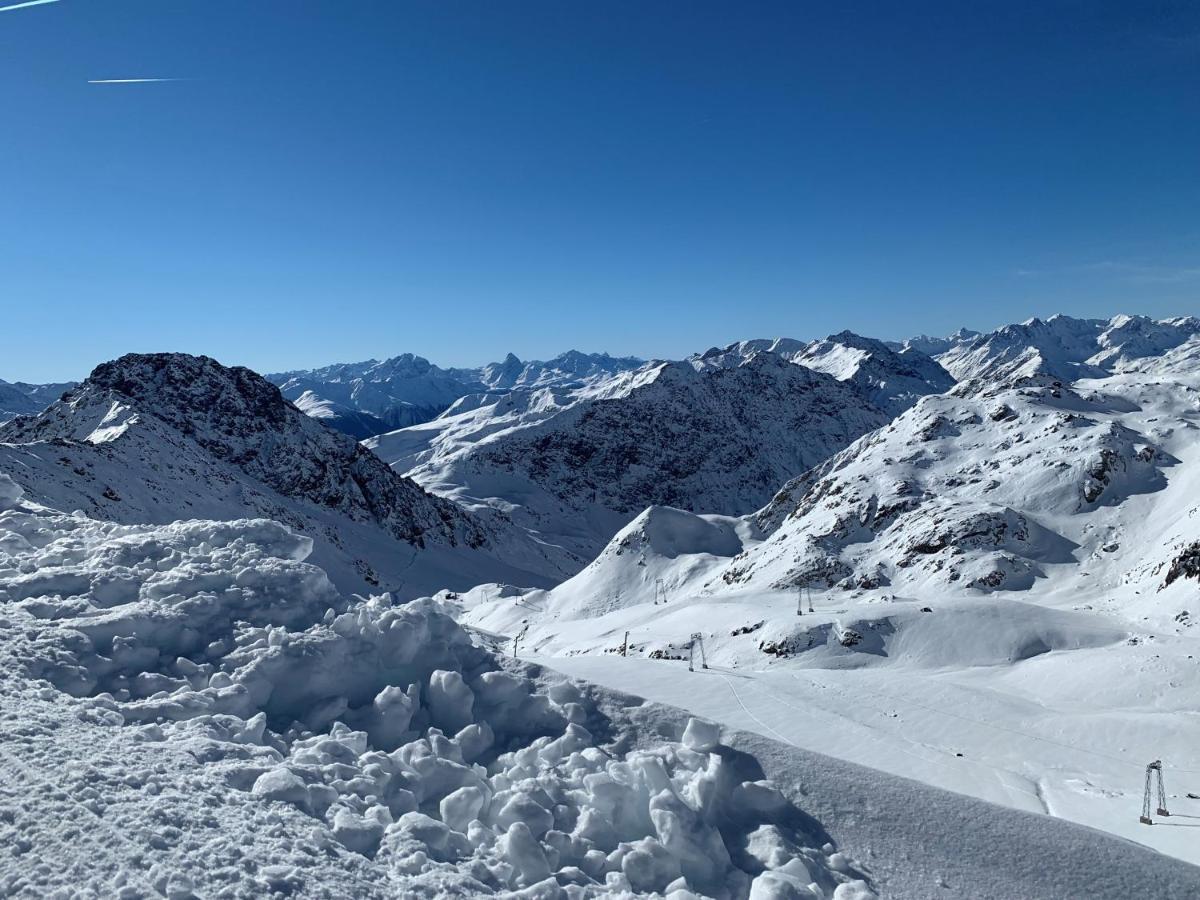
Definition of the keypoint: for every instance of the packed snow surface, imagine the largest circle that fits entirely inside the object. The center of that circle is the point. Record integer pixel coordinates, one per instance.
(193, 710)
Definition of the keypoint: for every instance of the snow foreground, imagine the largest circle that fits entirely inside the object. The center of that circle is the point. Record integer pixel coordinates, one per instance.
(193, 710)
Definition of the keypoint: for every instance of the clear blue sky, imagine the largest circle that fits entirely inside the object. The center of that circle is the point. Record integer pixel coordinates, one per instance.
(354, 178)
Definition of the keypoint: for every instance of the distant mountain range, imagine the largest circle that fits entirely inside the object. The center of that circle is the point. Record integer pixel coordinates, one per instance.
(1063, 462)
(21, 399)
(371, 397)
(540, 463)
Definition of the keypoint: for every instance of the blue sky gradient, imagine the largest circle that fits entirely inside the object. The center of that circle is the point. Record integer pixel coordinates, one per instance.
(336, 180)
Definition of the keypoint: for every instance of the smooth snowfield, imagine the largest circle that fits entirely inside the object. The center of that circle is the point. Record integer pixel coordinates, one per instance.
(1052, 711)
(920, 842)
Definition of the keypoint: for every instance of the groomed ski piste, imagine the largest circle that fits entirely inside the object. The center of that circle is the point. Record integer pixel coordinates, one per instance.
(192, 710)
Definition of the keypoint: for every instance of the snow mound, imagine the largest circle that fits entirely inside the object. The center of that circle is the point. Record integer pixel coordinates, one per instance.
(672, 533)
(361, 729)
(663, 552)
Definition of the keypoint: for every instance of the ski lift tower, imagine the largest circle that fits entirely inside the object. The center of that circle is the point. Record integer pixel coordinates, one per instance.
(697, 641)
(1154, 784)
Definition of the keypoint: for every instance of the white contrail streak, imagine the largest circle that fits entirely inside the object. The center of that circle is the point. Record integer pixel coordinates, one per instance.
(25, 4)
(129, 80)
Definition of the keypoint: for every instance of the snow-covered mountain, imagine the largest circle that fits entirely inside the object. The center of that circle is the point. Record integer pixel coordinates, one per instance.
(1023, 485)
(891, 378)
(21, 399)
(573, 465)
(408, 390)
(567, 370)
(989, 587)
(983, 491)
(935, 346)
(1065, 348)
(995, 592)
(341, 418)
(151, 438)
(400, 391)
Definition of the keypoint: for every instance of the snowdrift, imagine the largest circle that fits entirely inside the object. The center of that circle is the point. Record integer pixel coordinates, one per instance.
(365, 743)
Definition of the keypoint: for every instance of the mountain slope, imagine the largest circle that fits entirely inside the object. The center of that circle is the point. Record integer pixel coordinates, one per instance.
(573, 466)
(341, 418)
(995, 593)
(152, 437)
(892, 380)
(196, 711)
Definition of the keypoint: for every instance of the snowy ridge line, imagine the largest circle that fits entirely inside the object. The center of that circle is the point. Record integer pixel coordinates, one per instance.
(1017, 731)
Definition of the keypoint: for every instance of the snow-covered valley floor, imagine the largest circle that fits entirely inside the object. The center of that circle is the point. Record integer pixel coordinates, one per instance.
(1044, 710)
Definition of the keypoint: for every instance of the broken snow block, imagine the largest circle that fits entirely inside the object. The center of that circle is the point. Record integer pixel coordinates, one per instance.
(284, 785)
(459, 808)
(358, 833)
(701, 736)
(450, 701)
(524, 852)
